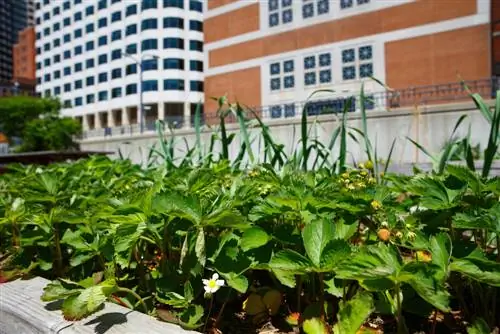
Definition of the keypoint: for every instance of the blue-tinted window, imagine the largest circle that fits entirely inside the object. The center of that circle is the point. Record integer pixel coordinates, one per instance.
(78, 50)
(195, 25)
(38, 65)
(78, 101)
(46, 47)
(89, 10)
(149, 85)
(103, 95)
(149, 4)
(196, 86)
(116, 35)
(89, 45)
(196, 46)
(78, 67)
(46, 62)
(115, 1)
(89, 28)
(173, 3)
(66, 22)
(57, 74)
(131, 89)
(66, 5)
(89, 81)
(46, 31)
(103, 77)
(78, 84)
(149, 44)
(90, 98)
(116, 92)
(131, 10)
(46, 16)
(57, 90)
(89, 63)
(103, 40)
(103, 22)
(196, 65)
(67, 87)
(57, 42)
(56, 27)
(149, 24)
(102, 59)
(131, 69)
(131, 49)
(77, 16)
(173, 64)
(173, 84)
(116, 16)
(149, 65)
(38, 35)
(196, 6)
(57, 59)
(131, 29)
(173, 22)
(66, 38)
(56, 11)
(67, 54)
(116, 73)
(38, 51)
(102, 4)
(78, 2)
(173, 43)
(38, 21)
(67, 70)
(78, 33)
(116, 54)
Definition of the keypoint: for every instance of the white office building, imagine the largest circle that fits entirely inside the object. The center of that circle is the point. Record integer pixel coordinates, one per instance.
(90, 54)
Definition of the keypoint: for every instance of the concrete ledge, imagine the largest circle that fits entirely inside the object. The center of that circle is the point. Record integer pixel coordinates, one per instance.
(22, 312)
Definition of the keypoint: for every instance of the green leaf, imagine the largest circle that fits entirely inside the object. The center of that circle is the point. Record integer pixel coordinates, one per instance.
(126, 237)
(75, 240)
(286, 277)
(316, 236)
(56, 290)
(315, 326)
(88, 301)
(334, 253)
(253, 238)
(440, 246)
(200, 247)
(237, 282)
(479, 326)
(353, 314)
(191, 316)
(478, 269)
(173, 299)
(291, 261)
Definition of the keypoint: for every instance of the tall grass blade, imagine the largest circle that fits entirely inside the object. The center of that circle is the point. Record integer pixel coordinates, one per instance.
(197, 129)
(492, 148)
(244, 132)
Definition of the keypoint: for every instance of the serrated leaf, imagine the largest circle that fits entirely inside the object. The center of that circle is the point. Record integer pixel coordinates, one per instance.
(173, 299)
(237, 282)
(479, 326)
(315, 326)
(291, 261)
(286, 277)
(253, 237)
(55, 290)
(88, 301)
(316, 236)
(191, 316)
(481, 270)
(333, 254)
(353, 314)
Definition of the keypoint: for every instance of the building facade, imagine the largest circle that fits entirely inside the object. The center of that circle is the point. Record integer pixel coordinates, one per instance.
(276, 53)
(24, 57)
(90, 54)
(15, 15)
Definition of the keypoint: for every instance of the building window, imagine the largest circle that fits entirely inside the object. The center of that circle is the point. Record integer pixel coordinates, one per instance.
(38, 21)
(57, 59)
(89, 81)
(282, 75)
(56, 11)
(67, 38)
(46, 77)
(56, 27)
(89, 10)
(38, 35)
(196, 86)
(57, 74)
(78, 33)
(77, 17)
(103, 40)
(196, 46)
(150, 65)
(66, 22)
(38, 51)
(317, 69)
(78, 67)
(116, 73)
(115, 1)
(173, 64)
(173, 22)
(173, 84)
(116, 92)
(173, 3)
(131, 69)
(102, 95)
(67, 54)
(89, 28)
(131, 89)
(196, 65)
(78, 101)
(149, 44)
(46, 16)
(102, 4)
(196, 6)
(280, 11)
(195, 25)
(345, 4)
(57, 90)
(67, 87)
(131, 10)
(116, 54)
(150, 85)
(103, 77)
(89, 46)
(314, 7)
(38, 65)
(46, 62)
(149, 4)
(116, 16)
(357, 63)
(277, 110)
(102, 59)
(90, 98)
(46, 31)
(89, 63)
(78, 50)
(46, 47)
(78, 2)
(103, 22)
(67, 70)
(149, 24)
(66, 5)
(67, 104)
(116, 35)
(131, 29)
(57, 42)
(78, 84)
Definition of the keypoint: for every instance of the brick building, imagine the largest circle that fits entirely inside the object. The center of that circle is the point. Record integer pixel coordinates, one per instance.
(24, 57)
(277, 52)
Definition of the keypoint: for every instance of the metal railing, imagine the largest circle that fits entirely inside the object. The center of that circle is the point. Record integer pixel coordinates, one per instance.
(379, 101)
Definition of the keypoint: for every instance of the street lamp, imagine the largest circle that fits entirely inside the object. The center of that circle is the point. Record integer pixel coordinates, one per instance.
(16, 88)
(140, 64)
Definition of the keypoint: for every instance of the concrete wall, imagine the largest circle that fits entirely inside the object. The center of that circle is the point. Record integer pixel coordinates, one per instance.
(22, 312)
(430, 126)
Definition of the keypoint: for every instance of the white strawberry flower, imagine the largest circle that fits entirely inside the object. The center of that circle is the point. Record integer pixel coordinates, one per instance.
(213, 284)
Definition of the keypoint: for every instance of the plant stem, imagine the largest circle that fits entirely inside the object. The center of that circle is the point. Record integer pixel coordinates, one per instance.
(209, 312)
(398, 304)
(58, 252)
(321, 296)
(299, 292)
(222, 309)
(136, 296)
(434, 322)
